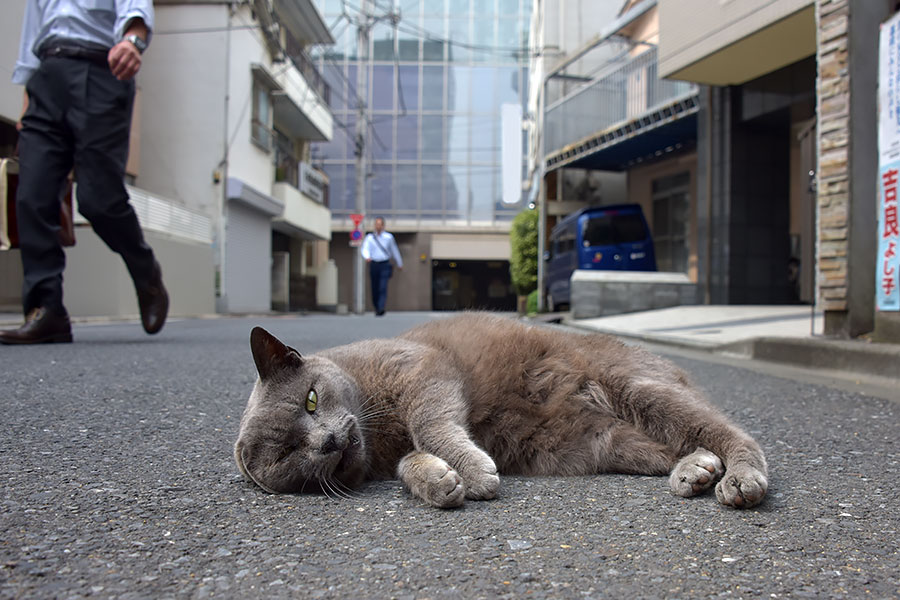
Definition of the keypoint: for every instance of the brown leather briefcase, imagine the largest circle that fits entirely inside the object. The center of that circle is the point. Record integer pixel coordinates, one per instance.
(9, 183)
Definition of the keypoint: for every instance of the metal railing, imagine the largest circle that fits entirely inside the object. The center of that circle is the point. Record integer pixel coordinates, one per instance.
(304, 64)
(286, 163)
(621, 92)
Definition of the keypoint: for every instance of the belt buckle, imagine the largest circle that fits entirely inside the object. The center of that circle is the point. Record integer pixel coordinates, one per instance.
(53, 51)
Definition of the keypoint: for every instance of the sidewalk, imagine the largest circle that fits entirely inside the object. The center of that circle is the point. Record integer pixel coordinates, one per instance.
(783, 334)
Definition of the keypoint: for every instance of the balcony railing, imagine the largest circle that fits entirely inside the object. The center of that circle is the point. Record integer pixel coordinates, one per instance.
(622, 92)
(304, 64)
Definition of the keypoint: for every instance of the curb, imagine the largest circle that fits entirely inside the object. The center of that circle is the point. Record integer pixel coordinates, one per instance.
(849, 356)
(881, 360)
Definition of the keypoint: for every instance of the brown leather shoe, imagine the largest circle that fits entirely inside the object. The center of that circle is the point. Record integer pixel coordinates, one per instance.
(153, 301)
(41, 327)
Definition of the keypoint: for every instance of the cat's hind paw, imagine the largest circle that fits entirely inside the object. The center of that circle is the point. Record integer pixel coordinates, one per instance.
(743, 486)
(696, 473)
(432, 479)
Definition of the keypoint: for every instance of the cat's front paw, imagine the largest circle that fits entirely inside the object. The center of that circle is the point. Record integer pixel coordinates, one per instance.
(743, 486)
(696, 473)
(432, 479)
(481, 477)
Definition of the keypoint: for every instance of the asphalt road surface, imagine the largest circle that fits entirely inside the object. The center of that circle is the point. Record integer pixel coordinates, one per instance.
(118, 482)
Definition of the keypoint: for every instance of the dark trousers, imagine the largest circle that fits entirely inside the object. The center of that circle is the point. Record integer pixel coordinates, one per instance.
(79, 115)
(379, 274)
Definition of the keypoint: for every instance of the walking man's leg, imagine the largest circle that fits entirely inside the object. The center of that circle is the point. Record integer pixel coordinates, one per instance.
(45, 159)
(101, 126)
(383, 285)
(378, 280)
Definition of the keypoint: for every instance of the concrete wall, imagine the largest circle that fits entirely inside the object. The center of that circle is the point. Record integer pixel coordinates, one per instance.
(409, 289)
(10, 281)
(96, 282)
(605, 293)
(183, 82)
(726, 43)
(11, 12)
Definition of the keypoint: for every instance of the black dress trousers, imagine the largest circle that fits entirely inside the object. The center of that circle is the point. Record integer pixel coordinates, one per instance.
(79, 115)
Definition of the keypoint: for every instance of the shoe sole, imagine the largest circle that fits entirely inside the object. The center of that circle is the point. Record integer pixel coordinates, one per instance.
(65, 338)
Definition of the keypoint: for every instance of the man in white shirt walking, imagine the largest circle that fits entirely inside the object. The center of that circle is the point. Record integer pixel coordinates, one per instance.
(378, 249)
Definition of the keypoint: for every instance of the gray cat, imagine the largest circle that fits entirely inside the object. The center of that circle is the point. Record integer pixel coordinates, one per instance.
(451, 404)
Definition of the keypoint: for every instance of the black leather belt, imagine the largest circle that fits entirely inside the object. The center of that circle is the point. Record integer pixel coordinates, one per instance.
(94, 55)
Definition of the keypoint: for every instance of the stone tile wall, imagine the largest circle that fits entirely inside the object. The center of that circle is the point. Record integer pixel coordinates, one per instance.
(833, 87)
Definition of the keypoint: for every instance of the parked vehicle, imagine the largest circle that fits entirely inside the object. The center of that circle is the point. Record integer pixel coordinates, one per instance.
(611, 238)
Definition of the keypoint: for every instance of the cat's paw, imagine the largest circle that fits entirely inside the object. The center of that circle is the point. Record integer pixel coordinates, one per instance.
(432, 479)
(743, 486)
(481, 477)
(696, 473)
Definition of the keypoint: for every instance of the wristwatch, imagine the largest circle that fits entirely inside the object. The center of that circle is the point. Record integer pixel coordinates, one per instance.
(139, 43)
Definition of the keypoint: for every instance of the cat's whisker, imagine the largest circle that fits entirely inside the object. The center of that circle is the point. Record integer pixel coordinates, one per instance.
(323, 483)
(347, 493)
(366, 403)
(376, 413)
(332, 485)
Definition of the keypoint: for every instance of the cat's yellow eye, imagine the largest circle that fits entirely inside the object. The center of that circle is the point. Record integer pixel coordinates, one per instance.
(312, 401)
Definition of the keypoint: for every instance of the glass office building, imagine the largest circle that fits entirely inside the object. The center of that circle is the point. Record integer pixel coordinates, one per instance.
(440, 71)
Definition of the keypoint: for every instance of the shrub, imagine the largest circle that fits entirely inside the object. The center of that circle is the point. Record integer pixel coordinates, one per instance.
(523, 240)
(531, 305)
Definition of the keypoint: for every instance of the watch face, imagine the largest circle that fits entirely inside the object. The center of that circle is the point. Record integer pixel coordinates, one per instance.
(140, 44)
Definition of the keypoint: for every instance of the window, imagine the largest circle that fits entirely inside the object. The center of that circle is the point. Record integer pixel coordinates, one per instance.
(261, 123)
(671, 220)
(607, 230)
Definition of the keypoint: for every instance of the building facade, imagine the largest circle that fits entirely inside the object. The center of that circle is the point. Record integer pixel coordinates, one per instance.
(437, 74)
(788, 147)
(228, 133)
(609, 130)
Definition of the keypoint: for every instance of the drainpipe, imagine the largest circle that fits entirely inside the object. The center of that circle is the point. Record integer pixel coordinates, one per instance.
(221, 296)
(541, 199)
(707, 283)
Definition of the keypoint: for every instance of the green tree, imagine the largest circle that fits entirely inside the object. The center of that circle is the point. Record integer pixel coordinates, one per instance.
(523, 240)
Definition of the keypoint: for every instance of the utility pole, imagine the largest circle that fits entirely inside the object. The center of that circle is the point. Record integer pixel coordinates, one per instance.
(362, 51)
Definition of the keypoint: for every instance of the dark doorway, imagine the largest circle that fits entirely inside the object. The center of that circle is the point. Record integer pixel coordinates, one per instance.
(472, 285)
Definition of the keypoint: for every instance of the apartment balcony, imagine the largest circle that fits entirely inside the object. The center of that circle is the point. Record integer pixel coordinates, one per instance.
(304, 64)
(297, 108)
(623, 116)
(302, 217)
(303, 190)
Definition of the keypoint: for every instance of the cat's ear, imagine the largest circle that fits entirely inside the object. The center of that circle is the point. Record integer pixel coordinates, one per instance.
(270, 355)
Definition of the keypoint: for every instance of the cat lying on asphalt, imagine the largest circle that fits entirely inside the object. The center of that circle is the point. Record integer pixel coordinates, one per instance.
(453, 403)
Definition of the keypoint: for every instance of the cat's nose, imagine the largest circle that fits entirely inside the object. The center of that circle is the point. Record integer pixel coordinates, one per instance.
(333, 444)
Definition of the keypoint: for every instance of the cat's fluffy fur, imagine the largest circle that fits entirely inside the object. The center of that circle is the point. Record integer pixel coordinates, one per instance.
(452, 403)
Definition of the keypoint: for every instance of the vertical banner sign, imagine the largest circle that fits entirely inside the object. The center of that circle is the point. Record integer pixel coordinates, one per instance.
(511, 152)
(887, 263)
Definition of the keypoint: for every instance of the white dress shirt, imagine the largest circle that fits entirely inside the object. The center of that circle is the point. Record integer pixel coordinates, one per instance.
(92, 22)
(371, 250)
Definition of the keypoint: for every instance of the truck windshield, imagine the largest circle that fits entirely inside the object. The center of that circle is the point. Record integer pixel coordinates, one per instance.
(605, 230)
